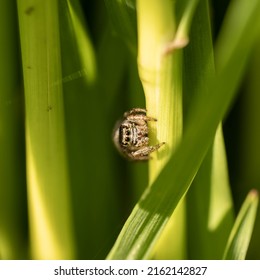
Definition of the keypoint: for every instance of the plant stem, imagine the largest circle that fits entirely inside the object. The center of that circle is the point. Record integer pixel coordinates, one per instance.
(47, 172)
(161, 76)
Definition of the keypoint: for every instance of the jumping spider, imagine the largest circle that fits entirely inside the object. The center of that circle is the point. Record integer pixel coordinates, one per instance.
(131, 135)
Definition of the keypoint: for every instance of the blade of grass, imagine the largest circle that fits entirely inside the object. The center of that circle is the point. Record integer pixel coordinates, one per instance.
(89, 136)
(240, 235)
(161, 77)
(47, 173)
(158, 202)
(13, 222)
(249, 163)
(210, 206)
(210, 215)
(123, 17)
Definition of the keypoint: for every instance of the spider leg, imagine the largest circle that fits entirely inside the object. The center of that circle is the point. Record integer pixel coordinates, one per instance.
(138, 114)
(135, 111)
(140, 119)
(144, 152)
(151, 119)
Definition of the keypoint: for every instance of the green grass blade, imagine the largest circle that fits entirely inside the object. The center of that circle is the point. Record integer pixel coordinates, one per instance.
(123, 17)
(160, 70)
(209, 204)
(240, 235)
(158, 202)
(249, 162)
(88, 133)
(47, 171)
(13, 216)
(160, 75)
(210, 208)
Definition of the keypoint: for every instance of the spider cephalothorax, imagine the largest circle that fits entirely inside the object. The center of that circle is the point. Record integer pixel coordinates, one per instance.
(131, 135)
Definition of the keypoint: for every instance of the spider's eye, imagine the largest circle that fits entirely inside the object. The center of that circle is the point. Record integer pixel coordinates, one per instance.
(126, 141)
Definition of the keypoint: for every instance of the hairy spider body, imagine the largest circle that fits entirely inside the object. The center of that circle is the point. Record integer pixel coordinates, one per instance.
(131, 135)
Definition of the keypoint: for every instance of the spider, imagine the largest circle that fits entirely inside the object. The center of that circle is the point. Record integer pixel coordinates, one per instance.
(131, 135)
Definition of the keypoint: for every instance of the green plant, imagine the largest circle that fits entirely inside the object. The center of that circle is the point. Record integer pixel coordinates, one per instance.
(77, 79)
